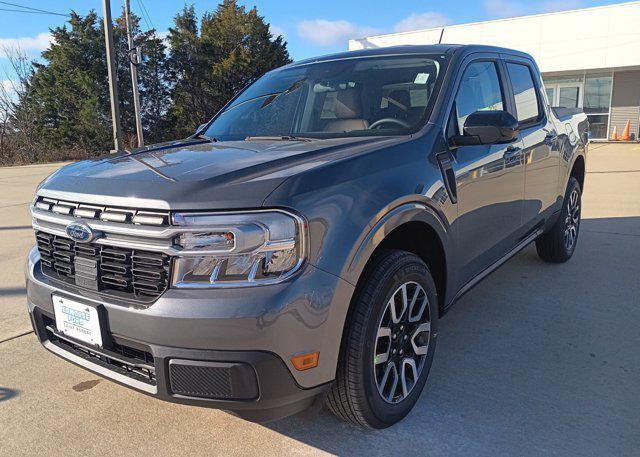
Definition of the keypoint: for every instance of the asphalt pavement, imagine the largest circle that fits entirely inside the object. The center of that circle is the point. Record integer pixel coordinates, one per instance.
(538, 359)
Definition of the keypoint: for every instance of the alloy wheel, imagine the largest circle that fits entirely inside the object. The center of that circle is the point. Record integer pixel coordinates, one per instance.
(572, 220)
(402, 342)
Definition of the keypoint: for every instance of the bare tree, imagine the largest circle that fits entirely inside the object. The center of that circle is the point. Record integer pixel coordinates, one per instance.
(18, 141)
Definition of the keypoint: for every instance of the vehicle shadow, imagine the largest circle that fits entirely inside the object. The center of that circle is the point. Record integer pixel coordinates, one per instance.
(539, 357)
(7, 394)
(12, 291)
(15, 227)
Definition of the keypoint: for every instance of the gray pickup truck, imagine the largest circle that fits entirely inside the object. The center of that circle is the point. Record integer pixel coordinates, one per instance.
(300, 248)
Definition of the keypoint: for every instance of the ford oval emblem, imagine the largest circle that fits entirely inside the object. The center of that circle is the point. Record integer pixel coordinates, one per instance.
(80, 232)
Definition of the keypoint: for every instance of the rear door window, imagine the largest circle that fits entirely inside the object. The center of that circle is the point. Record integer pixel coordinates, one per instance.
(524, 93)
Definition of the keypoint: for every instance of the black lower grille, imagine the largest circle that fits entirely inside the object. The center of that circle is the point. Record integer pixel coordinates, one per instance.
(131, 362)
(216, 380)
(133, 274)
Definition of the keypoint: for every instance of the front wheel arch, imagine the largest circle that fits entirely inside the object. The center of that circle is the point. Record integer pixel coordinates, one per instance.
(398, 230)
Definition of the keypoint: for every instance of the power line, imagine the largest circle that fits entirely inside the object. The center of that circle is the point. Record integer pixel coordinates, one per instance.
(28, 9)
(34, 12)
(145, 14)
(144, 7)
(144, 18)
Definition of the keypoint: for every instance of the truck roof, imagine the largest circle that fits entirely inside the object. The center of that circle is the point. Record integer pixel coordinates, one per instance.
(412, 49)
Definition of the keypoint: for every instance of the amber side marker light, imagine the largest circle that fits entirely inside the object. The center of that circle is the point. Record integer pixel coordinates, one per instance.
(303, 362)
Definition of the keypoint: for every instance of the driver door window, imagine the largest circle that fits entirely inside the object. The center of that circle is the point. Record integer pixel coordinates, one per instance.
(479, 91)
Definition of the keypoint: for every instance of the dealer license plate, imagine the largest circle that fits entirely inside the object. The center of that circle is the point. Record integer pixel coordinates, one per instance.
(77, 320)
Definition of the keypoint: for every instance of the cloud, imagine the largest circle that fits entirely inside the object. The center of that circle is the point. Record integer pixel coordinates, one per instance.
(38, 43)
(498, 9)
(322, 32)
(561, 5)
(164, 36)
(8, 90)
(276, 31)
(418, 21)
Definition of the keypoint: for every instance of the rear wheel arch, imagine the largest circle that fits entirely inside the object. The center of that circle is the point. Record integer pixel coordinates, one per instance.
(578, 170)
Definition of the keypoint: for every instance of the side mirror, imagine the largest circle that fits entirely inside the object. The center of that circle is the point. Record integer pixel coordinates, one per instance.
(488, 127)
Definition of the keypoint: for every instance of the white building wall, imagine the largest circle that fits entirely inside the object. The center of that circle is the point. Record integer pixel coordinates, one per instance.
(601, 37)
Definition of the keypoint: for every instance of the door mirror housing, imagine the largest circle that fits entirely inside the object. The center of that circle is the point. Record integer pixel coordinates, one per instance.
(487, 127)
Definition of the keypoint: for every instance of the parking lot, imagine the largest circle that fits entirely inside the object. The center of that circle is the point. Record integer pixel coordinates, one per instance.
(538, 359)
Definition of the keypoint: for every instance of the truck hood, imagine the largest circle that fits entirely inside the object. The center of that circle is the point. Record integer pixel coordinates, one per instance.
(198, 174)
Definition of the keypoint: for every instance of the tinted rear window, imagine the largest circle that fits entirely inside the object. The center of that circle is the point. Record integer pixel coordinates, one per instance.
(524, 92)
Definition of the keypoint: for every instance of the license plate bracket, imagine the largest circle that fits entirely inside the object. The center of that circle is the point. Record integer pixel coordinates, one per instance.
(78, 320)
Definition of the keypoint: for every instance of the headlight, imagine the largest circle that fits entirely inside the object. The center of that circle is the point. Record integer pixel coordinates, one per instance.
(238, 249)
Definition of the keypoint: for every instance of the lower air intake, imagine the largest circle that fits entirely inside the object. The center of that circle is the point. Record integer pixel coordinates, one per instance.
(215, 380)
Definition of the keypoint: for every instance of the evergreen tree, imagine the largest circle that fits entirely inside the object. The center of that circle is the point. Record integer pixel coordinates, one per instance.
(186, 69)
(68, 91)
(234, 47)
(63, 110)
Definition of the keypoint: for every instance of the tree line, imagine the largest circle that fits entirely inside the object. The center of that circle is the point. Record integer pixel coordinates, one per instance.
(58, 109)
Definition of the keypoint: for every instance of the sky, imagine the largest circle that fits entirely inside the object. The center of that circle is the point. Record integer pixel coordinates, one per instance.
(310, 28)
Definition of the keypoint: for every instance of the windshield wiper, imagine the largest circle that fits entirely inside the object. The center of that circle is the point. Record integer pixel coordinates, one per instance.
(279, 138)
(204, 137)
(295, 86)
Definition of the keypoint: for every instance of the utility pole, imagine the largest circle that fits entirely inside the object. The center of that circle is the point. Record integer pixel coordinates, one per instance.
(113, 77)
(134, 61)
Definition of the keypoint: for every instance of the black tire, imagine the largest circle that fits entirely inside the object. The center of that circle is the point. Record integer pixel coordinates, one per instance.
(355, 395)
(556, 246)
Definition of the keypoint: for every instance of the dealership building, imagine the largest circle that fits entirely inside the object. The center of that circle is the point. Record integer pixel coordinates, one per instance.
(589, 58)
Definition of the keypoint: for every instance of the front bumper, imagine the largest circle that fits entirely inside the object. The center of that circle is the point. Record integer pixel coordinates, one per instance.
(223, 348)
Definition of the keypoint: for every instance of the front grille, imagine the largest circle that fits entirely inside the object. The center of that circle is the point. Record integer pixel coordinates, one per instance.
(103, 213)
(128, 273)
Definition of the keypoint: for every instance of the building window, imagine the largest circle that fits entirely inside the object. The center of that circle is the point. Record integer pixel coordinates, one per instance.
(565, 91)
(590, 91)
(597, 100)
(597, 93)
(598, 124)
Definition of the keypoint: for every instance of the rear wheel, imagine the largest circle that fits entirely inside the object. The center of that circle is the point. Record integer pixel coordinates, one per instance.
(559, 244)
(389, 342)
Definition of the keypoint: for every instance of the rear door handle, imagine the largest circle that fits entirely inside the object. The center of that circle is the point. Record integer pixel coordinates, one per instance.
(512, 152)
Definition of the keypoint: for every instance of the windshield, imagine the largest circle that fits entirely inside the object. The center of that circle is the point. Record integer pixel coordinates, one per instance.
(347, 97)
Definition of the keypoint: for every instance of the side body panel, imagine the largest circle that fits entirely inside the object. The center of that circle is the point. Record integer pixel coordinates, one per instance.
(490, 186)
(541, 153)
(363, 192)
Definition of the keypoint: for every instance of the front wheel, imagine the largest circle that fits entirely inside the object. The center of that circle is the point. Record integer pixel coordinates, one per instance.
(389, 342)
(559, 244)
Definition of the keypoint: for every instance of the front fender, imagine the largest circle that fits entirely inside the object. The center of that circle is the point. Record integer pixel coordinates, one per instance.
(370, 240)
